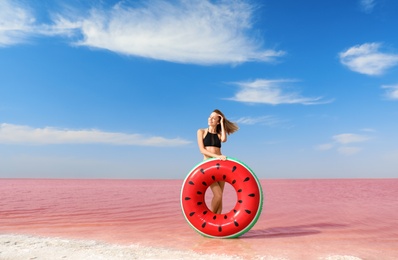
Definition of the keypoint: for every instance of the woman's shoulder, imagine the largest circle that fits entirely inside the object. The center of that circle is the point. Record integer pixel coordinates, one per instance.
(202, 130)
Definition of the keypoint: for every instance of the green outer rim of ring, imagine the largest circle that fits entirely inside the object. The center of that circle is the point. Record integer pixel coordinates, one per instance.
(252, 223)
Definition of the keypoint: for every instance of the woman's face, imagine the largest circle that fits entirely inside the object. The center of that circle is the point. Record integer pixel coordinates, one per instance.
(214, 119)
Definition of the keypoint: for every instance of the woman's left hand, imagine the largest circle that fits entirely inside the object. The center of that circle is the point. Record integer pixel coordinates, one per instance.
(222, 157)
(221, 119)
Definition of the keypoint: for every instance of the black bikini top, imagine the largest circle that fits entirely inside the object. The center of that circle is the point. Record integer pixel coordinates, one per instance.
(212, 140)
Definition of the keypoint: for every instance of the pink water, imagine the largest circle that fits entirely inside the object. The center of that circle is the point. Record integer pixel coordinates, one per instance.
(301, 219)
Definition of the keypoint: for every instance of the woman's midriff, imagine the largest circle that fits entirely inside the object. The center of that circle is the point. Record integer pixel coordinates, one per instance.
(212, 149)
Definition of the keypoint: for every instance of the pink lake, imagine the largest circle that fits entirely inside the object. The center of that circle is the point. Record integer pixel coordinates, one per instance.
(301, 219)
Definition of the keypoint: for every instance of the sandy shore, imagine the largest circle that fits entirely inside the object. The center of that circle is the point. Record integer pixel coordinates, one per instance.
(21, 247)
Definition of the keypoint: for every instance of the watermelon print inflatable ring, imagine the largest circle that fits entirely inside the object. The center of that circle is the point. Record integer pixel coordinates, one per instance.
(246, 211)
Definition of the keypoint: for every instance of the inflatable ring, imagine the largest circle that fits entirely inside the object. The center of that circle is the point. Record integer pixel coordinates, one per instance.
(246, 211)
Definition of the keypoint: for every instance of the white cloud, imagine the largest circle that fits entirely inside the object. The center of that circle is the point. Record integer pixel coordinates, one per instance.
(324, 147)
(349, 150)
(341, 142)
(367, 5)
(371, 130)
(367, 59)
(271, 92)
(263, 120)
(391, 91)
(19, 134)
(350, 138)
(199, 32)
(16, 22)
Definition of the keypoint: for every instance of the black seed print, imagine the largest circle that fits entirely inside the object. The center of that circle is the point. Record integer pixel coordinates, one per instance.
(248, 211)
(236, 223)
(191, 214)
(202, 171)
(235, 211)
(247, 178)
(219, 228)
(224, 177)
(218, 166)
(214, 217)
(240, 201)
(204, 224)
(205, 212)
(187, 198)
(191, 182)
(204, 183)
(199, 192)
(213, 177)
(225, 217)
(240, 190)
(252, 195)
(199, 203)
(234, 181)
(233, 168)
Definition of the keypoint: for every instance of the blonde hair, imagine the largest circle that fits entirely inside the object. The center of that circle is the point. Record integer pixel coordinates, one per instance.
(229, 127)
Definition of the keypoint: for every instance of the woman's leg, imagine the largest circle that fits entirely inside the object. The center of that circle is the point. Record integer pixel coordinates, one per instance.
(216, 203)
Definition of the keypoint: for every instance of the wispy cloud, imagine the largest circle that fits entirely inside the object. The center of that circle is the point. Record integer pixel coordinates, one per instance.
(324, 147)
(198, 32)
(367, 5)
(349, 150)
(16, 23)
(350, 138)
(262, 120)
(19, 134)
(271, 92)
(369, 130)
(391, 91)
(368, 59)
(343, 143)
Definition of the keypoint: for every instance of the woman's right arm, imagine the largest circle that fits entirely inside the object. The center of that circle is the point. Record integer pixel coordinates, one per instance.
(202, 148)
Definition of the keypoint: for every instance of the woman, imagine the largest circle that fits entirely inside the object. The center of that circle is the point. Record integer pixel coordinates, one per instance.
(209, 142)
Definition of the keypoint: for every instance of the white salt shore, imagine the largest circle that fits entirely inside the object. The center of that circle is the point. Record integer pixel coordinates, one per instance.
(22, 247)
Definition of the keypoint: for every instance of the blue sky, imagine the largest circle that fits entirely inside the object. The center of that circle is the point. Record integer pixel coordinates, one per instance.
(118, 89)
